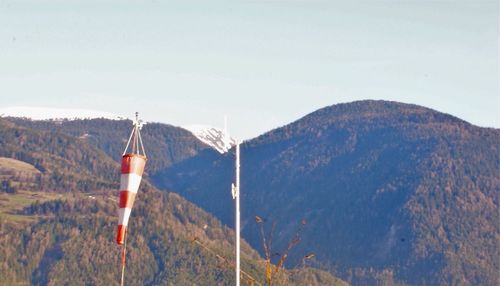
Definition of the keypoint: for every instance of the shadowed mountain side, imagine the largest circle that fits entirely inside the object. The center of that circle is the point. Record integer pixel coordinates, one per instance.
(385, 187)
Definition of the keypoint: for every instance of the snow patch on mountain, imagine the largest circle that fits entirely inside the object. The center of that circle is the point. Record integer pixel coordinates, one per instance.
(213, 137)
(45, 113)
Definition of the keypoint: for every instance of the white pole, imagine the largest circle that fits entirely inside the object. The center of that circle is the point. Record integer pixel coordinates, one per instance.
(237, 214)
(235, 191)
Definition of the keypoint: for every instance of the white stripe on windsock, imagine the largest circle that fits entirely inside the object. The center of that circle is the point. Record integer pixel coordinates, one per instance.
(123, 216)
(130, 182)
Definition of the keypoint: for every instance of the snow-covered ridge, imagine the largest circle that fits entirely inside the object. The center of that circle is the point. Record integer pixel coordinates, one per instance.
(45, 113)
(212, 136)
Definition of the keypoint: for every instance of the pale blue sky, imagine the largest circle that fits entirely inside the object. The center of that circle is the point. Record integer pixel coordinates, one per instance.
(264, 63)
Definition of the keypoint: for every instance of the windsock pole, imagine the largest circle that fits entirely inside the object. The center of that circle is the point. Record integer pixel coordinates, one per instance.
(124, 255)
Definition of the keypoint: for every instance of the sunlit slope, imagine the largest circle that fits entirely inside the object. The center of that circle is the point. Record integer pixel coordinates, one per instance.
(59, 225)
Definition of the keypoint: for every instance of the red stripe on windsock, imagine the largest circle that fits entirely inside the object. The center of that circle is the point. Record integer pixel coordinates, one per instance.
(127, 199)
(120, 237)
(133, 163)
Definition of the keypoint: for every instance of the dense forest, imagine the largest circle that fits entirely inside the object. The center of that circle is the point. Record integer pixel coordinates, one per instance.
(166, 144)
(58, 219)
(391, 191)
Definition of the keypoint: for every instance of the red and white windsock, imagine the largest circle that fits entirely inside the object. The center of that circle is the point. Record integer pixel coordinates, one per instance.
(132, 169)
(131, 174)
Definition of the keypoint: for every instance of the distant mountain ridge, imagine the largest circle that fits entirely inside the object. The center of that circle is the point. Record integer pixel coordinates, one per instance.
(165, 144)
(211, 136)
(391, 192)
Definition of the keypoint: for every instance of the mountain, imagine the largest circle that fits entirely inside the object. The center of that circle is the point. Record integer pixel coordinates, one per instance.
(45, 117)
(165, 144)
(391, 192)
(213, 137)
(58, 221)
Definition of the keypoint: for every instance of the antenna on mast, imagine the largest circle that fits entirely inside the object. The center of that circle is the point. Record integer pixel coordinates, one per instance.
(226, 135)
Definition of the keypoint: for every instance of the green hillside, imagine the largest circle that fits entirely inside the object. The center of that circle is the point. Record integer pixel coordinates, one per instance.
(58, 220)
(165, 144)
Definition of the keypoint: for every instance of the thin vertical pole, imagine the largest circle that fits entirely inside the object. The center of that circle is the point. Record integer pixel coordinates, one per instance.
(124, 253)
(226, 139)
(238, 214)
(136, 126)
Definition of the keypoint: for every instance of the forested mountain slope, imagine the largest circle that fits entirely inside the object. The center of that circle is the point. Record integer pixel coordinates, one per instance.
(166, 144)
(58, 219)
(390, 191)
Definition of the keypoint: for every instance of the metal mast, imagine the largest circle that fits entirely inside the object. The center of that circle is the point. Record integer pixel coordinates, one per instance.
(235, 190)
